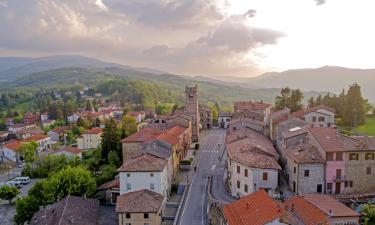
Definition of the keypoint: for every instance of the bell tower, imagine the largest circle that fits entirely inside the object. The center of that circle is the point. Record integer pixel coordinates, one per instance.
(191, 108)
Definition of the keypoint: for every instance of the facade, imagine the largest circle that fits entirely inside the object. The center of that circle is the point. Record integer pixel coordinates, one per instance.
(192, 109)
(57, 134)
(275, 119)
(69, 152)
(90, 139)
(305, 168)
(145, 172)
(44, 142)
(30, 118)
(10, 151)
(319, 116)
(224, 119)
(205, 117)
(252, 163)
(140, 208)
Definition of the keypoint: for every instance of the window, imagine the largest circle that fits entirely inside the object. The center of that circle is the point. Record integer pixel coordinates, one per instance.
(151, 174)
(152, 186)
(127, 216)
(128, 174)
(245, 187)
(353, 156)
(145, 215)
(314, 119)
(238, 170)
(238, 184)
(265, 176)
(369, 156)
(329, 186)
(321, 119)
(368, 170)
(294, 170)
(319, 188)
(246, 173)
(307, 173)
(348, 183)
(329, 156)
(338, 156)
(128, 186)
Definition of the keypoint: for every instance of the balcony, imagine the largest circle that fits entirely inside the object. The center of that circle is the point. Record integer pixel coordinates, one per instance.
(339, 178)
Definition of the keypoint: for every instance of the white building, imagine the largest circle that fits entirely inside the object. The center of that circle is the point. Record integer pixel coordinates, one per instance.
(252, 163)
(90, 139)
(44, 141)
(69, 152)
(224, 119)
(10, 151)
(145, 172)
(319, 116)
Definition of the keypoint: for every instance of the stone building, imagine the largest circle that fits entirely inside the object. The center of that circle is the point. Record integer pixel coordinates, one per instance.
(319, 116)
(192, 109)
(206, 119)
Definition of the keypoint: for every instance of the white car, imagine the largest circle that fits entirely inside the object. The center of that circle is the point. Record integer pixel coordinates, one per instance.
(23, 180)
(15, 183)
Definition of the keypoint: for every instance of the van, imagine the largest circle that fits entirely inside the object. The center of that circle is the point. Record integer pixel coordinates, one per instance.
(23, 180)
(15, 183)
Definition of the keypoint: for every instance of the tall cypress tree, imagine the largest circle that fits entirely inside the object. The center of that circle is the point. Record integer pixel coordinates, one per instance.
(111, 140)
(354, 110)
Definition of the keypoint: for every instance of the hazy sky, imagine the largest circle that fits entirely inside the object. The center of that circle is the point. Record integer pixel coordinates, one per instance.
(198, 37)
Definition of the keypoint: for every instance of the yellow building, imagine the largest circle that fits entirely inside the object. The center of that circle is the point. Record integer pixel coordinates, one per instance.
(90, 139)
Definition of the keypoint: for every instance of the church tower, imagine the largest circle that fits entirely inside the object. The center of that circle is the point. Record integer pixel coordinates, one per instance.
(191, 108)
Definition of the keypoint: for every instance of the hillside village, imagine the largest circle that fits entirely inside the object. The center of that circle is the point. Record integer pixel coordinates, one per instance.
(253, 165)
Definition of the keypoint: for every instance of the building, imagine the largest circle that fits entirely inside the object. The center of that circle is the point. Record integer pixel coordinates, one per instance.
(321, 209)
(145, 172)
(305, 168)
(252, 163)
(192, 109)
(254, 110)
(69, 152)
(69, 210)
(109, 191)
(139, 208)
(224, 118)
(239, 123)
(10, 151)
(205, 117)
(139, 116)
(90, 139)
(319, 116)
(257, 208)
(275, 119)
(44, 117)
(44, 142)
(57, 134)
(30, 118)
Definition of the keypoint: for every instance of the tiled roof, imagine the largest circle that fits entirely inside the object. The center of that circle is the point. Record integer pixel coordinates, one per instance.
(144, 135)
(156, 149)
(73, 150)
(329, 205)
(168, 138)
(142, 201)
(110, 184)
(60, 129)
(13, 145)
(70, 210)
(254, 209)
(327, 138)
(295, 131)
(303, 112)
(36, 137)
(94, 130)
(250, 106)
(247, 120)
(143, 163)
(305, 211)
(176, 130)
(304, 153)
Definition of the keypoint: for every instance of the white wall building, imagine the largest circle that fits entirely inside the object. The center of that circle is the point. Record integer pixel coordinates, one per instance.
(319, 116)
(224, 119)
(90, 139)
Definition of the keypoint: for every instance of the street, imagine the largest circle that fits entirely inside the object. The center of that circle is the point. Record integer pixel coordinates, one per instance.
(195, 209)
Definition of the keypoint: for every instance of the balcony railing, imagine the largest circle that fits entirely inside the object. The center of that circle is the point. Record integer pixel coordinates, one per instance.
(339, 178)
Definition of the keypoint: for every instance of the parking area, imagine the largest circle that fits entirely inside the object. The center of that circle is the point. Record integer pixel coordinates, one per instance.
(7, 212)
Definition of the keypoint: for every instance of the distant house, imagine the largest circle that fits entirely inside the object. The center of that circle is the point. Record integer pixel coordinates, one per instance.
(48, 123)
(254, 110)
(257, 208)
(206, 117)
(239, 123)
(145, 172)
(319, 116)
(139, 116)
(252, 163)
(69, 152)
(69, 210)
(140, 207)
(57, 134)
(44, 117)
(30, 118)
(224, 118)
(90, 139)
(320, 209)
(73, 118)
(10, 151)
(109, 191)
(44, 141)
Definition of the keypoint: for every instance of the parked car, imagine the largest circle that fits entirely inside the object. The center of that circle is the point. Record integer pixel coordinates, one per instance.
(22, 165)
(14, 183)
(23, 180)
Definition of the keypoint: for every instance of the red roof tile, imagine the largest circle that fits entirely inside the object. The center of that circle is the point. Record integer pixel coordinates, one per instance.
(110, 184)
(303, 112)
(94, 130)
(73, 150)
(14, 145)
(144, 135)
(254, 209)
(144, 163)
(142, 201)
(36, 137)
(250, 106)
(327, 138)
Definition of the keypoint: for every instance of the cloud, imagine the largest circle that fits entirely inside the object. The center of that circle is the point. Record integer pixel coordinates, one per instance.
(320, 2)
(186, 37)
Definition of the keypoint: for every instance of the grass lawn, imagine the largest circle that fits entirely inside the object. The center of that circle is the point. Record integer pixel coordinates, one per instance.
(368, 128)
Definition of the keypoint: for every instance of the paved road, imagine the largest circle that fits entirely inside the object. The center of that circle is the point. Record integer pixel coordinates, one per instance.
(195, 209)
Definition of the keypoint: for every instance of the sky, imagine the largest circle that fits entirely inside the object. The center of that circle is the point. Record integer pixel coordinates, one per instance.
(195, 37)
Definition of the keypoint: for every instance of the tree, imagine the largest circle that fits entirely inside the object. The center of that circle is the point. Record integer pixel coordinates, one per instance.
(25, 209)
(28, 151)
(129, 125)
(354, 110)
(83, 123)
(111, 140)
(289, 98)
(8, 193)
(368, 212)
(76, 181)
(311, 102)
(113, 159)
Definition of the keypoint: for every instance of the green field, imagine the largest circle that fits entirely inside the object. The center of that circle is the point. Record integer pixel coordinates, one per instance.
(368, 128)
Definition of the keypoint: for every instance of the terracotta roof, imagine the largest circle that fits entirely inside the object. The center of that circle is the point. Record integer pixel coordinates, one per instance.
(254, 209)
(304, 153)
(110, 184)
(60, 129)
(168, 138)
(142, 201)
(329, 205)
(73, 150)
(13, 145)
(143, 163)
(305, 211)
(94, 130)
(327, 138)
(303, 112)
(36, 137)
(144, 135)
(250, 106)
(295, 131)
(70, 210)
(176, 130)
(247, 120)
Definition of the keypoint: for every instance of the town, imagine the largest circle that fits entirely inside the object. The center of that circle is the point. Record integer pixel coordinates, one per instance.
(256, 164)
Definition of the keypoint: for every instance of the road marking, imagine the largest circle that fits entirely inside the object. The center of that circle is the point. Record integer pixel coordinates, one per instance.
(213, 167)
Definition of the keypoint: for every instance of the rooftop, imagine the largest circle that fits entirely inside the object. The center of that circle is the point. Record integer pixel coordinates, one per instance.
(144, 163)
(250, 106)
(142, 201)
(36, 137)
(94, 130)
(73, 150)
(144, 135)
(304, 153)
(13, 145)
(303, 112)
